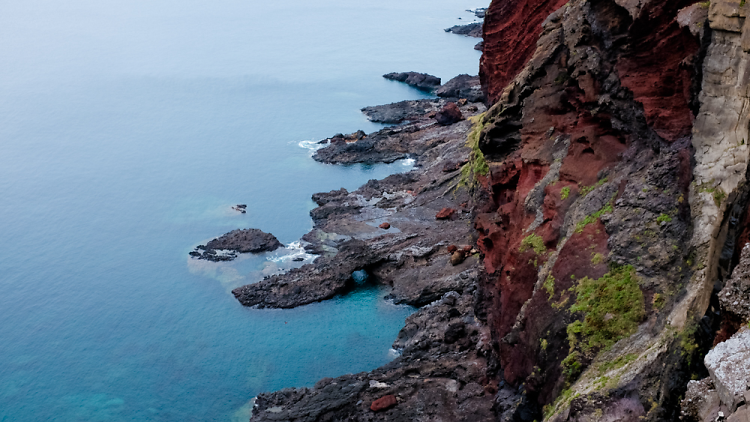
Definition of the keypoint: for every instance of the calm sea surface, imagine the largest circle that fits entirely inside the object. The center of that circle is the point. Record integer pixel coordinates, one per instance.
(127, 130)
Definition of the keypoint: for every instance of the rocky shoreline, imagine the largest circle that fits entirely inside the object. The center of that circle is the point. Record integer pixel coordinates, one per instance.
(411, 232)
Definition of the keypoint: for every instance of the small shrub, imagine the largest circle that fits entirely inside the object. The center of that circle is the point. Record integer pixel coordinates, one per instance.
(549, 286)
(564, 193)
(663, 218)
(477, 165)
(535, 242)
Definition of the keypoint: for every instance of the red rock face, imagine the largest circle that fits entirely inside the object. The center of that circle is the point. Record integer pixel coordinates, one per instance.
(659, 69)
(647, 64)
(511, 30)
(383, 403)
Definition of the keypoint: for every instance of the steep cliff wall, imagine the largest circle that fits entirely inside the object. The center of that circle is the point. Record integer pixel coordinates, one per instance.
(596, 242)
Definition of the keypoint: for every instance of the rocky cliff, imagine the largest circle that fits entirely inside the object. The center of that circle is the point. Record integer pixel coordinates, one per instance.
(617, 197)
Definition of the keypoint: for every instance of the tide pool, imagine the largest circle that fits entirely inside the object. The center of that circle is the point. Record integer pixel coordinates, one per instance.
(128, 129)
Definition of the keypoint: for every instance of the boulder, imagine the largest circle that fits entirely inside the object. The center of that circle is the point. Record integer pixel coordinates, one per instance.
(449, 114)
(445, 214)
(729, 366)
(383, 403)
(385, 226)
(458, 257)
(421, 81)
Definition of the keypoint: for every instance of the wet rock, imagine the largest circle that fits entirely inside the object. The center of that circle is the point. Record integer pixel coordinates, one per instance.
(236, 241)
(383, 403)
(470, 30)
(421, 81)
(246, 241)
(385, 226)
(445, 214)
(449, 115)
(462, 86)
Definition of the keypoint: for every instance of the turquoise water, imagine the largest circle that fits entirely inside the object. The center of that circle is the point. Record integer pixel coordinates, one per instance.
(127, 130)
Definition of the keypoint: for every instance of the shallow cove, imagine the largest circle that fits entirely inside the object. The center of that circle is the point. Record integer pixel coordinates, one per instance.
(127, 130)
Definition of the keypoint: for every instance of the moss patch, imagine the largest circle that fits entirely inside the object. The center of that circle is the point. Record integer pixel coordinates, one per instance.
(549, 286)
(612, 307)
(586, 189)
(564, 193)
(663, 218)
(593, 217)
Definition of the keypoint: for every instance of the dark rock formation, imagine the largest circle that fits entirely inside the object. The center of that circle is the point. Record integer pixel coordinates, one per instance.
(242, 241)
(440, 375)
(421, 81)
(449, 114)
(462, 86)
(402, 110)
(470, 30)
(398, 142)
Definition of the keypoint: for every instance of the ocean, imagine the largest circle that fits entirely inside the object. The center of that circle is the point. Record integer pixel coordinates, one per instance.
(128, 129)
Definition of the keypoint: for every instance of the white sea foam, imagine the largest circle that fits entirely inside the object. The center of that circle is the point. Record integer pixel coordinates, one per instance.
(290, 252)
(311, 145)
(408, 162)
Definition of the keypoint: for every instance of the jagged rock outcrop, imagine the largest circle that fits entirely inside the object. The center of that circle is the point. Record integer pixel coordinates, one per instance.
(470, 30)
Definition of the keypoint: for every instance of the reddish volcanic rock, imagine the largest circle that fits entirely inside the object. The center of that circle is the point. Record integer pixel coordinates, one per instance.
(661, 79)
(383, 403)
(452, 248)
(602, 91)
(385, 226)
(511, 30)
(449, 114)
(445, 214)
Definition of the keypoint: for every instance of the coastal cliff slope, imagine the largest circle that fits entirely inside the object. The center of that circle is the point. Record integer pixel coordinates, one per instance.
(617, 148)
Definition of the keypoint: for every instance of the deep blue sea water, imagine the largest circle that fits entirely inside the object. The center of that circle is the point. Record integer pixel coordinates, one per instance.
(127, 131)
